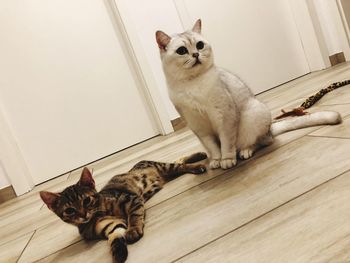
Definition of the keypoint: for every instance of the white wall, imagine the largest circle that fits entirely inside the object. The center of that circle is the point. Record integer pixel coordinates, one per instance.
(160, 15)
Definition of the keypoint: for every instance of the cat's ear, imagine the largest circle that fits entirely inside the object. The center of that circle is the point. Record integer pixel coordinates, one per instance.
(197, 26)
(49, 198)
(86, 179)
(162, 40)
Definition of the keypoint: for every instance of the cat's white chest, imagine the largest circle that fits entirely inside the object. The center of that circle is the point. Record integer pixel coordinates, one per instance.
(190, 99)
(192, 95)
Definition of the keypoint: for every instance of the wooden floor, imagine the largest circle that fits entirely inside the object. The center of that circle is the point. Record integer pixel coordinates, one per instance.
(289, 203)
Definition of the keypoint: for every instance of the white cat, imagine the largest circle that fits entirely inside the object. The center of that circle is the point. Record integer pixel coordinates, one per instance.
(217, 106)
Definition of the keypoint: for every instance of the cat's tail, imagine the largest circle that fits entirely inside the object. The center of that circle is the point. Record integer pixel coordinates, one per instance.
(119, 249)
(118, 245)
(309, 120)
(114, 230)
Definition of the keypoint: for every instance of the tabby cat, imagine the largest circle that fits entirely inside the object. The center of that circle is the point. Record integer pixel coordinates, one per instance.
(117, 212)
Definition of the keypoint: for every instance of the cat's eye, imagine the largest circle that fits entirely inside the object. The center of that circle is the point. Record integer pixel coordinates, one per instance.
(200, 45)
(182, 50)
(86, 201)
(69, 211)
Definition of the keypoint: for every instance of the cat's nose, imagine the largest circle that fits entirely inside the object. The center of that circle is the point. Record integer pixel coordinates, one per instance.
(195, 55)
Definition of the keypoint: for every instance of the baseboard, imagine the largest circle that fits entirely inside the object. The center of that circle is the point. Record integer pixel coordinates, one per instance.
(337, 58)
(178, 123)
(6, 194)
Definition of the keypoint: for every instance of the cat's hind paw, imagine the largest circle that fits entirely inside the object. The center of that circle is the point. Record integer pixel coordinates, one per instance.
(228, 163)
(214, 164)
(246, 153)
(199, 169)
(133, 235)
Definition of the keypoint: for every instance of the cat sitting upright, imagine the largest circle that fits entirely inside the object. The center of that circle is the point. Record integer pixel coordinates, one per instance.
(217, 106)
(117, 211)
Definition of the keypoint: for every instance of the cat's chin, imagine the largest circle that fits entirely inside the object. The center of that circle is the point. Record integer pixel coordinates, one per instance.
(80, 221)
(197, 63)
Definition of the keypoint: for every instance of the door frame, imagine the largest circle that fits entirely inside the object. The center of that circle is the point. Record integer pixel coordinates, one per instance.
(142, 71)
(344, 20)
(12, 159)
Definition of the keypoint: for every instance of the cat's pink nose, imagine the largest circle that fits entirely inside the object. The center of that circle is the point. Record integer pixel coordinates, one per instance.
(195, 55)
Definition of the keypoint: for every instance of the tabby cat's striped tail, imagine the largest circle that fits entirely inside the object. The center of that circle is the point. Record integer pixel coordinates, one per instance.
(119, 249)
(114, 230)
(309, 120)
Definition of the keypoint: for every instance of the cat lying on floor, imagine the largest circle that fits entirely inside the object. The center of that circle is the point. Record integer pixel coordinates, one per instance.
(117, 211)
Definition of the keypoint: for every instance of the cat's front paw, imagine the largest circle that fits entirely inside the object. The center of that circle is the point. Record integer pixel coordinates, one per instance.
(246, 154)
(228, 163)
(133, 234)
(214, 164)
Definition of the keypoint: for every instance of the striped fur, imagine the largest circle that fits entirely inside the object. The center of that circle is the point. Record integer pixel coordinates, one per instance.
(117, 212)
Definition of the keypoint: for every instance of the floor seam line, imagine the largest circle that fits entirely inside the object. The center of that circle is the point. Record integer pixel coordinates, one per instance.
(30, 239)
(17, 237)
(264, 214)
(61, 249)
(328, 137)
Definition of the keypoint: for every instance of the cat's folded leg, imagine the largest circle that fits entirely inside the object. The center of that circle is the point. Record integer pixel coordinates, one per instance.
(136, 220)
(247, 153)
(254, 127)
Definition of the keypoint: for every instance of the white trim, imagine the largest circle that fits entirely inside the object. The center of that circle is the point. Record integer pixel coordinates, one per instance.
(310, 33)
(343, 29)
(345, 23)
(335, 13)
(12, 160)
(318, 32)
(184, 15)
(142, 68)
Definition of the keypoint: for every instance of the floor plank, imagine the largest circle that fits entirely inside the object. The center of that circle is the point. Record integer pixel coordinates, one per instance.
(339, 131)
(11, 251)
(312, 228)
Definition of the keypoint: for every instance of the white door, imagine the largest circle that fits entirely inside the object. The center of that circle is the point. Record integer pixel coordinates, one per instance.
(66, 86)
(258, 40)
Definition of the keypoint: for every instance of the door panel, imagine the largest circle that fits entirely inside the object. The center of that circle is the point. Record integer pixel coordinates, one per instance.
(66, 85)
(257, 40)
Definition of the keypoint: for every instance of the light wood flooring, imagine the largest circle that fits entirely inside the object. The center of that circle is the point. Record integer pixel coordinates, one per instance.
(289, 203)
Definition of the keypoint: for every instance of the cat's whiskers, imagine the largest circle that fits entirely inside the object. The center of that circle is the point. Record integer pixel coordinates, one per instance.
(187, 61)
